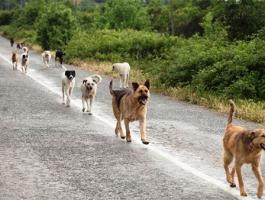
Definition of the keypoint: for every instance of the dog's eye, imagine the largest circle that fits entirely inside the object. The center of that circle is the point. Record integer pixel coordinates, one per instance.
(146, 91)
(263, 136)
(141, 91)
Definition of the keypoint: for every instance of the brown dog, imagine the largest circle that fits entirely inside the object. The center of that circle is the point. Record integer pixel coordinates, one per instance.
(14, 59)
(131, 105)
(246, 147)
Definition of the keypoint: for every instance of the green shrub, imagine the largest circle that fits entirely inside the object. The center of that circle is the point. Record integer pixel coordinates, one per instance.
(6, 17)
(117, 45)
(55, 27)
(120, 14)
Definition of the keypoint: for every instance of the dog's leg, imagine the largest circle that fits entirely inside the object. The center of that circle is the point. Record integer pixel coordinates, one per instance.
(83, 103)
(240, 179)
(256, 170)
(128, 133)
(120, 80)
(90, 105)
(26, 69)
(120, 129)
(63, 93)
(68, 100)
(143, 130)
(70, 91)
(233, 177)
(127, 80)
(228, 157)
(124, 81)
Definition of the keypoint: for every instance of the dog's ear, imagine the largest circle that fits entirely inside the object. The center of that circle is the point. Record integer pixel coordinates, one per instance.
(96, 78)
(84, 81)
(135, 85)
(147, 84)
(73, 73)
(248, 136)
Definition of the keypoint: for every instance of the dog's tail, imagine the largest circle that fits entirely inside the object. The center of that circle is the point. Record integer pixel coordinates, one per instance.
(231, 111)
(110, 88)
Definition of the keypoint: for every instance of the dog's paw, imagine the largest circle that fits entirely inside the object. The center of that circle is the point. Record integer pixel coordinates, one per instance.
(129, 140)
(67, 105)
(122, 137)
(233, 185)
(83, 109)
(244, 194)
(145, 142)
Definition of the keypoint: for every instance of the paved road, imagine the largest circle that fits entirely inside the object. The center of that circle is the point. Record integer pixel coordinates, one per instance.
(48, 151)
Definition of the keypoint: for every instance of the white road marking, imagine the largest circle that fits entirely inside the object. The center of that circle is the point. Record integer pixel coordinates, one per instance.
(158, 151)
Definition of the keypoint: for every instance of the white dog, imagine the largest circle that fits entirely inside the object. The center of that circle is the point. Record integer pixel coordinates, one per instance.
(89, 90)
(68, 84)
(46, 57)
(123, 69)
(25, 50)
(24, 62)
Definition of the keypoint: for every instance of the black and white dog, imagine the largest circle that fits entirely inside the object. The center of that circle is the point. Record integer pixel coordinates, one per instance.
(68, 84)
(59, 57)
(24, 62)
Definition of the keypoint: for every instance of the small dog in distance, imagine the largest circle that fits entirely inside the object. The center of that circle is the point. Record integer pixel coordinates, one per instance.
(46, 58)
(123, 69)
(59, 54)
(24, 62)
(12, 42)
(14, 59)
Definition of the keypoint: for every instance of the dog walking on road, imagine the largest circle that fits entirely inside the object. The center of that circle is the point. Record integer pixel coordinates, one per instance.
(131, 105)
(245, 147)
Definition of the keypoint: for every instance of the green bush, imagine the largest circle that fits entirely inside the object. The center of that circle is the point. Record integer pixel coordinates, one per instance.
(120, 14)
(26, 35)
(55, 27)
(6, 17)
(117, 45)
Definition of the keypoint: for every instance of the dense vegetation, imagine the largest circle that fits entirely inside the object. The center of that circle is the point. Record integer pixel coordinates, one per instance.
(214, 46)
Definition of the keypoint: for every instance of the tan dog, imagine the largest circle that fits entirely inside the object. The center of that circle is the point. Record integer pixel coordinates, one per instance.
(89, 91)
(131, 105)
(245, 146)
(14, 59)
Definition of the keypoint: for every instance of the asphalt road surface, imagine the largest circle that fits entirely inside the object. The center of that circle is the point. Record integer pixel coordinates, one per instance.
(49, 151)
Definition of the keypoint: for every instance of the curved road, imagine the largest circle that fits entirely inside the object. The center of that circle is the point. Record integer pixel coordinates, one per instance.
(48, 151)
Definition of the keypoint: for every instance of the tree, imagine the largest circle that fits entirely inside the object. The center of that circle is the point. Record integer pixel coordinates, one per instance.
(55, 26)
(243, 18)
(121, 14)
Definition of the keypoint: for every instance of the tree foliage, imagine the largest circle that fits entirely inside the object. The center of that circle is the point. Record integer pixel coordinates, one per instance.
(55, 27)
(120, 14)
